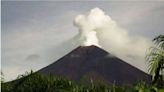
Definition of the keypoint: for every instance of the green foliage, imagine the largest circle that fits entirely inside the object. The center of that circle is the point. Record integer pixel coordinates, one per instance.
(34, 82)
(155, 59)
(37, 83)
(142, 87)
(159, 40)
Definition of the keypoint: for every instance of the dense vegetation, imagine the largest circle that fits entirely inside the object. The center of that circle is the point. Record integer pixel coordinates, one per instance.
(155, 58)
(34, 82)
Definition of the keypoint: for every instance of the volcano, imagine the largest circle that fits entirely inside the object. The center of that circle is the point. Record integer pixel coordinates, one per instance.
(93, 64)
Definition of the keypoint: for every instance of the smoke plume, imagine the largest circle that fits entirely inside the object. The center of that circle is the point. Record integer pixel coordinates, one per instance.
(97, 28)
(88, 25)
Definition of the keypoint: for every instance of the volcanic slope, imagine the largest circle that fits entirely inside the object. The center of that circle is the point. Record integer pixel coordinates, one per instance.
(92, 63)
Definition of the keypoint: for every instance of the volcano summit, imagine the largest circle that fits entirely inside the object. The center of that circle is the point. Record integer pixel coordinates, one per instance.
(87, 63)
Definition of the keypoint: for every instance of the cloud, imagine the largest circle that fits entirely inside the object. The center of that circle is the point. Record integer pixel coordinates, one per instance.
(112, 38)
(88, 25)
(46, 29)
(33, 57)
(86, 30)
(34, 40)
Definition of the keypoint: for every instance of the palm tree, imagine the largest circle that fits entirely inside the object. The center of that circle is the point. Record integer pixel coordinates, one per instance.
(155, 59)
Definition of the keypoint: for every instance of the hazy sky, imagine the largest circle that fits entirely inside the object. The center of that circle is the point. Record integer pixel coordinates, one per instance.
(35, 34)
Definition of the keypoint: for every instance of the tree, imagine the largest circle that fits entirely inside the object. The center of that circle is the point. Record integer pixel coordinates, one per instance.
(155, 59)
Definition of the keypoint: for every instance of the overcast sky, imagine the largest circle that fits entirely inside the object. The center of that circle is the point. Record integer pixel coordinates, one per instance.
(35, 34)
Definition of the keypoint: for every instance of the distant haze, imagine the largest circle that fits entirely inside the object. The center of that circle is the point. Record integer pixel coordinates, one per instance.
(35, 34)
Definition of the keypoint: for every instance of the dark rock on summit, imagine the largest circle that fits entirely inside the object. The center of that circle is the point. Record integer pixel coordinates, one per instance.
(95, 64)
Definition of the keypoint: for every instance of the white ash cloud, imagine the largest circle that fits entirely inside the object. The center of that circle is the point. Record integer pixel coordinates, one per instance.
(98, 28)
(88, 24)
